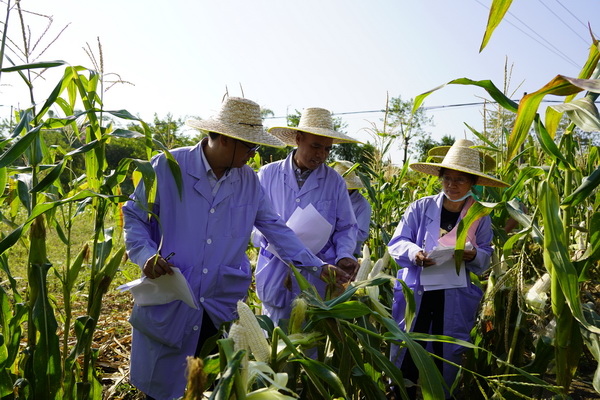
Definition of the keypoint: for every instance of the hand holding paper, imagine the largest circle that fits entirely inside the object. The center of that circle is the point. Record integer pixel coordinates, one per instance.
(161, 290)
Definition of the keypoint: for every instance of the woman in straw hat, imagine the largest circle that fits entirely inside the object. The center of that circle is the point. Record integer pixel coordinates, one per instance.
(303, 179)
(206, 227)
(360, 205)
(446, 303)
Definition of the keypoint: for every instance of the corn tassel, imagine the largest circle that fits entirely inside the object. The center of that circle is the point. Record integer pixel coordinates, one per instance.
(254, 334)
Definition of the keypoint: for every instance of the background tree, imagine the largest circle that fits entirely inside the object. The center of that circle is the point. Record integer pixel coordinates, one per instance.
(405, 124)
(426, 143)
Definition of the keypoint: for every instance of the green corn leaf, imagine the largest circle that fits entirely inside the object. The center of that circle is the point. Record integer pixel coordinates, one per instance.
(476, 211)
(525, 175)
(50, 178)
(497, 12)
(318, 371)
(588, 185)
(19, 147)
(485, 84)
(75, 267)
(126, 134)
(346, 310)
(44, 65)
(556, 255)
(548, 145)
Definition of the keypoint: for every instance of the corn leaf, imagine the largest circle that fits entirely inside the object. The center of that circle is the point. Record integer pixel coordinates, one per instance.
(582, 112)
(19, 147)
(346, 310)
(318, 371)
(548, 145)
(556, 255)
(50, 178)
(497, 12)
(476, 211)
(560, 86)
(485, 84)
(588, 185)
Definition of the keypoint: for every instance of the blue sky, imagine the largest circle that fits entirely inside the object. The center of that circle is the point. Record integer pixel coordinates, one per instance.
(343, 55)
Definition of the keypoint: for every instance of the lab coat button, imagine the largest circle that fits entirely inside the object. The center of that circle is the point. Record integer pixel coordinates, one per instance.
(209, 241)
(212, 210)
(201, 299)
(205, 271)
(195, 327)
(420, 292)
(297, 200)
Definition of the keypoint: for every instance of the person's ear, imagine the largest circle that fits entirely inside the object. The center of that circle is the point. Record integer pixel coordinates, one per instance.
(298, 138)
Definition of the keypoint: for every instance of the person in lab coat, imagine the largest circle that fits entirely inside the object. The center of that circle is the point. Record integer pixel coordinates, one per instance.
(207, 226)
(303, 179)
(426, 223)
(360, 205)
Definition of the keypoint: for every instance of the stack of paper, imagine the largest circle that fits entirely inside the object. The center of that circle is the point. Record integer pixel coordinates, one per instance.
(443, 275)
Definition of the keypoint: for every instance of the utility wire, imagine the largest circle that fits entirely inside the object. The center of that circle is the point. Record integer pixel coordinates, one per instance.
(574, 16)
(564, 23)
(479, 103)
(556, 52)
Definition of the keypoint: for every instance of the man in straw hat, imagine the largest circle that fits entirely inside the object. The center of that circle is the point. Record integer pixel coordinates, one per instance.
(446, 303)
(303, 179)
(206, 229)
(360, 205)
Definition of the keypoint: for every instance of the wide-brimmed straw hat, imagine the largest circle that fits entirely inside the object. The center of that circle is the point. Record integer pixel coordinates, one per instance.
(438, 153)
(352, 180)
(240, 119)
(313, 120)
(461, 157)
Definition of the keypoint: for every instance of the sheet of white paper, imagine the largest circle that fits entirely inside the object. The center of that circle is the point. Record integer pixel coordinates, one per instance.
(443, 275)
(310, 227)
(161, 290)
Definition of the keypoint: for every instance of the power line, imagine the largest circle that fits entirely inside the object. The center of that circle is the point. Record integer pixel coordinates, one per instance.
(556, 52)
(574, 16)
(478, 103)
(564, 23)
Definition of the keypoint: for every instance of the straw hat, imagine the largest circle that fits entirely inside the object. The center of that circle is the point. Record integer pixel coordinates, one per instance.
(352, 180)
(438, 153)
(314, 120)
(461, 157)
(240, 119)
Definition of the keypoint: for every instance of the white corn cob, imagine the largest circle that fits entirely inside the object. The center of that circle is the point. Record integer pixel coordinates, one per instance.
(366, 253)
(238, 334)
(363, 271)
(376, 268)
(254, 334)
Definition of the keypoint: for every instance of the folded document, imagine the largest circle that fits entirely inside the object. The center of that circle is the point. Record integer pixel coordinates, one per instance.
(161, 290)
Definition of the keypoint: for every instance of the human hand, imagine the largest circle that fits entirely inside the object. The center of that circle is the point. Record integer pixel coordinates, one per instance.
(349, 265)
(422, 260)
(335, 276)
(469, 255)
(156, 266)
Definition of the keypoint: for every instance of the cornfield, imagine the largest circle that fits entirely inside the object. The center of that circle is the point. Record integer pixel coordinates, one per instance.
(537, 319)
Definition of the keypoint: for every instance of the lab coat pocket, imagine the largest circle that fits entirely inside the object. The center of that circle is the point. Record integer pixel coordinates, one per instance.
(164, 323)
(241, 220)
(270, 283)
(234, 281)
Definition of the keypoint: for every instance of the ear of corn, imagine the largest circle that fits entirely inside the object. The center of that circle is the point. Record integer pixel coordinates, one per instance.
(254, 334)
(238, 334)
(363, 271)
(297, 316)
(377, 268)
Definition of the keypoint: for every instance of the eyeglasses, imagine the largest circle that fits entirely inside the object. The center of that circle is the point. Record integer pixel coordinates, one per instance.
(461, 180)
(250, 146)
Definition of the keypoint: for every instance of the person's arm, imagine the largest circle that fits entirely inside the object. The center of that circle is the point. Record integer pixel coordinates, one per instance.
(403, 247)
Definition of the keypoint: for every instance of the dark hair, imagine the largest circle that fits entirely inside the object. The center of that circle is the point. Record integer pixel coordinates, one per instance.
(473, 178)
(213, 135)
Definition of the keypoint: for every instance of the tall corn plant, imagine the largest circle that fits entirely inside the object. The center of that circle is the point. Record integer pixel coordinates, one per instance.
(39, 183)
